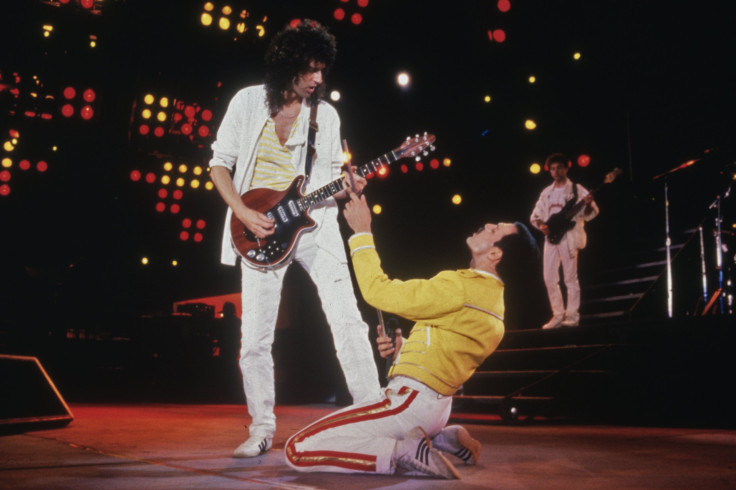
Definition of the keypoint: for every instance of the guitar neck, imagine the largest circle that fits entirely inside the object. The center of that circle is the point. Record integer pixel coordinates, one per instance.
(337, 185)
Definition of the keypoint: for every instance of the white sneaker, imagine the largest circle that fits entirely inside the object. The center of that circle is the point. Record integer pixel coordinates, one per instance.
(555, 322)
(254, 446)
(456, 440)
(415, 453)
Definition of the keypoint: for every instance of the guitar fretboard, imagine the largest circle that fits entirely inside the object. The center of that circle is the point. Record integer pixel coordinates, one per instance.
(336, 186)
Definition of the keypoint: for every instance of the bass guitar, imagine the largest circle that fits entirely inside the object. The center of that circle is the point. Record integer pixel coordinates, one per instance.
(562, 221)
(289, 208)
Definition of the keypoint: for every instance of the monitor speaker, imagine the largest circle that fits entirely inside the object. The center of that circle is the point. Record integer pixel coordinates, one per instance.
(28, 398)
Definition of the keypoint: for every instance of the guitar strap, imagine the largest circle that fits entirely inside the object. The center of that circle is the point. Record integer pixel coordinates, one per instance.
(313, 128)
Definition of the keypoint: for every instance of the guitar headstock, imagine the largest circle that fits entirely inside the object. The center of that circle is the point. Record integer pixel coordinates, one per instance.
(416, 146)
(611, 176)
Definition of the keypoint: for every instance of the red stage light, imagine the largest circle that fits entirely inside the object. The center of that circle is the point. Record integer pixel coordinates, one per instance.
(88, 4)
(160, 207)
(4, 190)
(186, 223)
(504, 5)
(362, 3)
(162, 193)
(178, 194)
(5, 176)
(189, 111)
(356, 19)
(184, 236)
(150, 177)
(70, 93)
(42, 166)
(186, 129)
(67, 110)
(201, 224)
(177, 117)
(143, 129)
(434, 163)
(24, 165)
(499, 35)
(583, 160)
(14, 133)
(206, 115)
(135, 175)
(87, 112)
(419, 166)
(295, 22)
(339, 14)
(404, 168)
(203, 131)
(158, 132)
(198, 237)
(175, 208)
(89, 95)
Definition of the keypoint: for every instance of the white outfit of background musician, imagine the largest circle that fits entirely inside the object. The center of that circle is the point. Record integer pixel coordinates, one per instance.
(552, 199)
(320, 252)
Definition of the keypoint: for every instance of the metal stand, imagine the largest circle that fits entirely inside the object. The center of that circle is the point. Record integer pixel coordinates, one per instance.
(668, 244)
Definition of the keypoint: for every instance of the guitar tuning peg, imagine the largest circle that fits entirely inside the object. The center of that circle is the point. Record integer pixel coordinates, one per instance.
(425, 135)
(431, 148)
(408, 138)
(417, 135)
(417, 158)
(425, 153)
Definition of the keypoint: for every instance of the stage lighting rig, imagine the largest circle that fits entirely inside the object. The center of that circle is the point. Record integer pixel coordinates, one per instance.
(233, 21)
(93, 7)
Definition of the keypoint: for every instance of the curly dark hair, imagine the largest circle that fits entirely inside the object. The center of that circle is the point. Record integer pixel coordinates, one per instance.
(289, 54)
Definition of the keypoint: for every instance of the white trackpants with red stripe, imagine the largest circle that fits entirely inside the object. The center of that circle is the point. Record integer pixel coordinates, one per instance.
(361, 438)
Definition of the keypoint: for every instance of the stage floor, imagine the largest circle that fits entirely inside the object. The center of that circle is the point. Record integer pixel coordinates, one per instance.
(189, 446)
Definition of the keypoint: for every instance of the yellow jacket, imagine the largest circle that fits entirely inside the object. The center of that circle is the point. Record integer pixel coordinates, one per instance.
(458, 315)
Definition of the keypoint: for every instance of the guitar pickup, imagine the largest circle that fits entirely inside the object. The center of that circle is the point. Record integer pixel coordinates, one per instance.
(293, 209)
(282, 214)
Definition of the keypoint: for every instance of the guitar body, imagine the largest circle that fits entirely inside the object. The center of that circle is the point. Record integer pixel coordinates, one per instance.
(290, 223)
(289, 208)
(559, 223)
(562, 221)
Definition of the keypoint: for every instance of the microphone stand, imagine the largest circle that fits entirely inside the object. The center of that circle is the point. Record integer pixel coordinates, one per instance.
(719, 244)
(668, 245)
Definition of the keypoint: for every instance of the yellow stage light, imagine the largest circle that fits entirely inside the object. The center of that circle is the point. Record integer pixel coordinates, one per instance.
(168, 166)
(164, 102)
(165, 180)
(183, 169)
(194, 183)
(224, 23)
(530, 124)
(532, 79)
(180, 182)
(144, 261)
(161, 116)
(487, 98)
(209, 185)
(206, 19)
(535, 168)
(446, 162)
(576, 56)
(457, 199)
(377, 209)
(149, 99)
(7, 163)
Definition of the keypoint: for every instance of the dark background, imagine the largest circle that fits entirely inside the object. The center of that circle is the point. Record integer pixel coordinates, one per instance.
(652, 90)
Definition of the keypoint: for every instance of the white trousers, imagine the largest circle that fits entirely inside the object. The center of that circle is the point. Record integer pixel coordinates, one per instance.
(261, 295)
(361, 438)
(554, 256)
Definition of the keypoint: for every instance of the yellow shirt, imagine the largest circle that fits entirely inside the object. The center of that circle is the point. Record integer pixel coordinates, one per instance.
(274, 169)
(458, 315)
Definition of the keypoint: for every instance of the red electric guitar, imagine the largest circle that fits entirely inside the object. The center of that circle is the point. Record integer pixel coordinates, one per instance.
(289, 208)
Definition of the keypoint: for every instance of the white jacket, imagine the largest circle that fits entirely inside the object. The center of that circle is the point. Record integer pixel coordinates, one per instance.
(235, 148)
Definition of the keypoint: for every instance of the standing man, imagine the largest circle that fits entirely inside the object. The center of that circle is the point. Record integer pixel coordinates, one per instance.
(459, 323)
(565, 252)
(262, 143)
